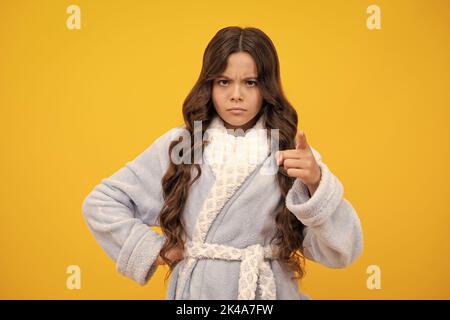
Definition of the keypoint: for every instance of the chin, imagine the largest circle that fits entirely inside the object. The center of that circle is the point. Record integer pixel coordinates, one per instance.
(236, 122)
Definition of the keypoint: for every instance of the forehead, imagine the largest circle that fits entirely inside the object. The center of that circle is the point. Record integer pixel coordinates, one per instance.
(240, 64)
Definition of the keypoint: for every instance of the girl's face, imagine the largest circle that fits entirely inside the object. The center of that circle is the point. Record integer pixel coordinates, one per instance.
(236, 94)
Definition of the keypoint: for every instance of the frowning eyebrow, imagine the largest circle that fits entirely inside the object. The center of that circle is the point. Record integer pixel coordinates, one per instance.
(246, 78)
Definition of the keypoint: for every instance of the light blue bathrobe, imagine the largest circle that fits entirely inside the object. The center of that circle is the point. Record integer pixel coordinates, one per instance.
(120, 209)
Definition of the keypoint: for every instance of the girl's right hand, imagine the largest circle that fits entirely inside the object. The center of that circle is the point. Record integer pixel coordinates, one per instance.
(174, 254)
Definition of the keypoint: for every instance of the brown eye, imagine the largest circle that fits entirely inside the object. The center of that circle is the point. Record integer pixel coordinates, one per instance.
(251, 83)
(222, 81)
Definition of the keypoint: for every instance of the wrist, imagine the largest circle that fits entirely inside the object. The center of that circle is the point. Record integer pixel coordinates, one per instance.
(312, 188)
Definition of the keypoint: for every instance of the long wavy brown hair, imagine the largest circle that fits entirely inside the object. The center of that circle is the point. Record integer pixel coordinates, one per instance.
(198, 106)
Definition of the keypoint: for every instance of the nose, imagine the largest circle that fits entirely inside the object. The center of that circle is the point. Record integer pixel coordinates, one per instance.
(236, 94)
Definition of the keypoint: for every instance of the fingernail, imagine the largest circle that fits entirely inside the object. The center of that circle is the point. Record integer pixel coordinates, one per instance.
(278, 158)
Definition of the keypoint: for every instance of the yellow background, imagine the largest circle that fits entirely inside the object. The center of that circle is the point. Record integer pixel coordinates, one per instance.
(76, 105)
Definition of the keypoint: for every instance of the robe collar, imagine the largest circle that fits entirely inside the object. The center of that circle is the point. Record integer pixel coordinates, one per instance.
(228, 147)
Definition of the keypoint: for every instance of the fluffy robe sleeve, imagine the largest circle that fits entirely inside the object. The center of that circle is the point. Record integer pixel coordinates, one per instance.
(332, 233)
(121, 208)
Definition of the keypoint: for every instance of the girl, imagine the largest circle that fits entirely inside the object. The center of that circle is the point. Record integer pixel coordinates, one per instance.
(230, 229)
